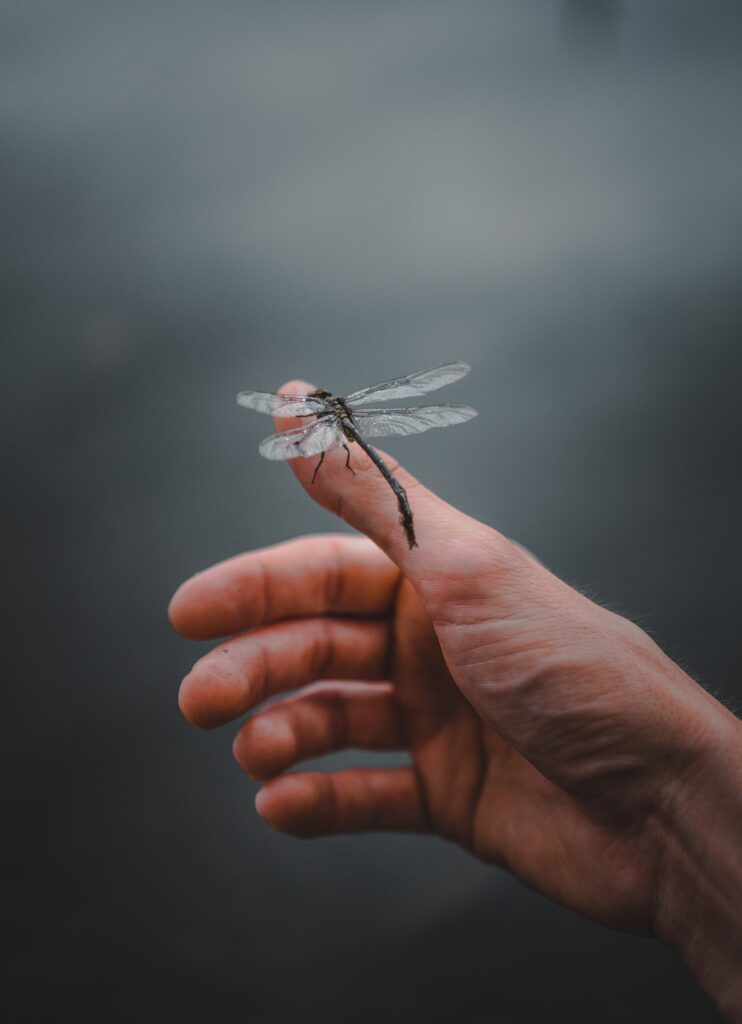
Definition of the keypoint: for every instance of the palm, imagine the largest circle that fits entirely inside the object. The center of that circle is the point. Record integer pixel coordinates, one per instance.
(481, 793)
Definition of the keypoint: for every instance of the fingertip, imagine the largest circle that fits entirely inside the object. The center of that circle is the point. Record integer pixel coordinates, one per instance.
(214, 603)
(204, 698)
(180, 614)
(191, 703)
(262, 803)
(270, 806)
(292, 387)
(191, 610)
(296, 387)
(264, 745)
(288, 804)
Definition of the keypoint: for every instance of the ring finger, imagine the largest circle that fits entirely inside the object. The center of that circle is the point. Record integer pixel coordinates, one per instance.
(321, 719)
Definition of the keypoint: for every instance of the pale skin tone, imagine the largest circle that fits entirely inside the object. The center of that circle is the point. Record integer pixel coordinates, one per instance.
(547, 735)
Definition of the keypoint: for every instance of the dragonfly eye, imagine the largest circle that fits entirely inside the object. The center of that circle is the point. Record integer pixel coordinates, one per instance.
(319, 393)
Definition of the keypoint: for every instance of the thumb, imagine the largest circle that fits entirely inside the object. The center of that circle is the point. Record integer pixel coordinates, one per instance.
(369, 502)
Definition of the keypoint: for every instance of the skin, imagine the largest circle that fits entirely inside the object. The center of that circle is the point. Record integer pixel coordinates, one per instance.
(547, 735)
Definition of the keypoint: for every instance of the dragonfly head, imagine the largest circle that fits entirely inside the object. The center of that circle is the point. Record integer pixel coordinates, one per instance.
(319, 393)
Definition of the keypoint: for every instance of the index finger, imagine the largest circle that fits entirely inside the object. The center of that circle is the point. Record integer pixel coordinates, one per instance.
(330, 573)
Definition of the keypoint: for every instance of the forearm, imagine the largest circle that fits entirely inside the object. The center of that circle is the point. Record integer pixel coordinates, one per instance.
(699, 886)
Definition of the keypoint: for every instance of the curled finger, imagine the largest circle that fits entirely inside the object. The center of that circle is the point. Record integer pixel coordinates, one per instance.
(250, 668)
(313, 804)
(322, 719)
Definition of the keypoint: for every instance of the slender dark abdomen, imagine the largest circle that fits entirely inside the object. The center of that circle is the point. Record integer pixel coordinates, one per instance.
(405, 512)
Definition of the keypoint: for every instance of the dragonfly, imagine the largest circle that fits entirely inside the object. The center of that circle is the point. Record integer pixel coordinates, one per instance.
(337, 422)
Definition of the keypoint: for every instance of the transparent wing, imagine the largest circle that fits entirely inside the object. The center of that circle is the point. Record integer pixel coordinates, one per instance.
(402, 422)
(411, 386)
(281, 405)
(316, 437)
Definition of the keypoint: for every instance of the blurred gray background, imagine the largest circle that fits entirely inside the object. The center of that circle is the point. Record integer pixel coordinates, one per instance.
(198, 198)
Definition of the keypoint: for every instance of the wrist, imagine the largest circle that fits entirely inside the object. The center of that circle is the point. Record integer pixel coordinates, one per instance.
(698, 900)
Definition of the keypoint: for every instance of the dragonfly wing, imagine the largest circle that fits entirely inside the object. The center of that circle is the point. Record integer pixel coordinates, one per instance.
(411, 386)
(403, 422)
(316, 437)
(281, 405)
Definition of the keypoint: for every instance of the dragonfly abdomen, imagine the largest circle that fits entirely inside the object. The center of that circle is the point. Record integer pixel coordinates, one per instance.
(405, 512)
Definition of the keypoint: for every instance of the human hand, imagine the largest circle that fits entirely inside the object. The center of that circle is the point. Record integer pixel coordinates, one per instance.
(546, 734)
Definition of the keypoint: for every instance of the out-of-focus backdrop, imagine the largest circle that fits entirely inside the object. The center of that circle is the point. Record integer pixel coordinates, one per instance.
(198, 198)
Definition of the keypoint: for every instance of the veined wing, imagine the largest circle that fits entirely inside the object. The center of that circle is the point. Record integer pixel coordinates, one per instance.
(311, 439)
(281, 405)
(402, 422)
(411, 386)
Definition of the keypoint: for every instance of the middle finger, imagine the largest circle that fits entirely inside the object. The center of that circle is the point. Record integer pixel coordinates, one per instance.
(248, 669)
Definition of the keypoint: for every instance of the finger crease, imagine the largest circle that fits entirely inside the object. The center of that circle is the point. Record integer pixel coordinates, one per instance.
(266, 673)
(324, 651)
(478, 789)
(333, 808)
(264, 591)
(338, 722)
(334, 581)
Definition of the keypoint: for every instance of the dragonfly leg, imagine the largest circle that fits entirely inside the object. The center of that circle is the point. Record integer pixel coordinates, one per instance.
(316, 468)
(347, 460)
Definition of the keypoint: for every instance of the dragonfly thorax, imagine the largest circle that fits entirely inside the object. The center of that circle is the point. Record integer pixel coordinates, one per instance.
(334, 405)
